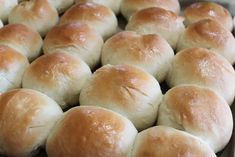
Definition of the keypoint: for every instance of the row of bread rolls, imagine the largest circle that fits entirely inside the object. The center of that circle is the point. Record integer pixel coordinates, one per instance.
(28, 117)
(125, 89)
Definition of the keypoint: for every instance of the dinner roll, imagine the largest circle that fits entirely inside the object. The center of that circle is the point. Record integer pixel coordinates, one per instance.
(149, 52)
(26, 118)
(23, 39)
(161, 141)
(91, 131)
(77, 39)
(203, 67)
(157, 21)
(12, 67)
(112, 4)
(5, 8)
(98, 17)
(208, 10)
(199, 111)
(211, 35)
(58, 75)
(61, 5)
(125, 89)
(129, 7)
(37, 14)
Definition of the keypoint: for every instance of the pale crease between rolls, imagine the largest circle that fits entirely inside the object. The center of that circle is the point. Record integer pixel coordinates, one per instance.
(12, 67)
(199, 111)
(203, 67)
(129, 7)
(5, 9)
(98, 17)
(162, 141)
(77, 39)
(58, 75)
(40, 15)
(91, 131)
(26, 119)
(159, 21)
(211, 35)
(125, 89)
(112, 4)
(1, 24)
(208, 10)
(149, 52)
(22, 39)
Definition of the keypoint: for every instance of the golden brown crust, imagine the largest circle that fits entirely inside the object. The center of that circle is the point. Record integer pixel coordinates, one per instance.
(208, 10)
(88, 131)
(198, 108)
(40, 15)
(69, 34)
(122, 79)
(136, 47)
(128, 7)
(164, 141)
(199, 111)
(35, 9)
(156, 15)
(203, 64)
(26, 117)
(21, 38)
(86, 12)
(208, 31)
(8, 57)
(49, 67)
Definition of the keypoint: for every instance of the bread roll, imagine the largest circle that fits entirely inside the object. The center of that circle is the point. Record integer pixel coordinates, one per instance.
(12, 67)
(93, 132)
(149, 52)
(157, 21)
(129, 7)
(125, 89)
(112, 4)
(98, 17)
(61, 5)
(26, 118)
(161, 141)
(40, 15)
(208, 10)
(198, 111)
(23, 39)
(58, 75)
(5, 9)
(77, 39)
(211, 35)
(205, 68)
